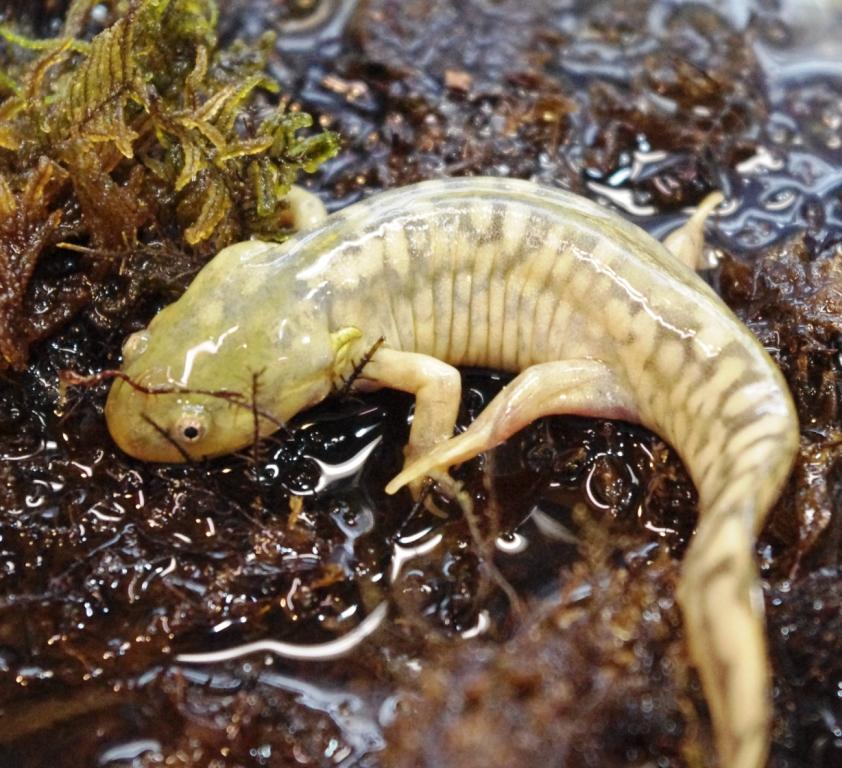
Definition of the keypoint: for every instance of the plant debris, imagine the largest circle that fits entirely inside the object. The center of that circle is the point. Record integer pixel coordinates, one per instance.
(148, 133)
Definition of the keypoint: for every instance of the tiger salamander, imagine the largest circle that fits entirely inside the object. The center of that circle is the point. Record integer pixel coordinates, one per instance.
(593, 315)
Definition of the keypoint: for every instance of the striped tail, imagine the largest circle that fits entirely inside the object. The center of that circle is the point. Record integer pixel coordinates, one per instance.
(722, 602)
(743, 441)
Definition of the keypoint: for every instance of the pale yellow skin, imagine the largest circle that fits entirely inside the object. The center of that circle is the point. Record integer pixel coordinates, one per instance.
(595, 316)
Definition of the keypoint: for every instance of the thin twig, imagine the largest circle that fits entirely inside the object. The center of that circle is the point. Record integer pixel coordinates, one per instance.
(73, 379)
(255, 418)
(168, 437)
(419, 504)
(358, 368)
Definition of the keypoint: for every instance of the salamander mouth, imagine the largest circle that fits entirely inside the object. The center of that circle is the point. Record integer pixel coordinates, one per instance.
(136, 430)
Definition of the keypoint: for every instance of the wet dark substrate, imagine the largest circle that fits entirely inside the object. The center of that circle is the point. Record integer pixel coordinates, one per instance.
(109, 568)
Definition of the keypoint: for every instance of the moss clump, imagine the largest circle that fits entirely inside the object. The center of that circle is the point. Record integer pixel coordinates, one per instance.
(147, 133)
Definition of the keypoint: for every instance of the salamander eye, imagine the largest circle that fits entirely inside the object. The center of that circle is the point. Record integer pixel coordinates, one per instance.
(191, 428)
(135, 345)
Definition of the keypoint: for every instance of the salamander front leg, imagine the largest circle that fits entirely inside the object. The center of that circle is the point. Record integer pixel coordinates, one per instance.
(307, 209)
(437, 388)
(583, 387)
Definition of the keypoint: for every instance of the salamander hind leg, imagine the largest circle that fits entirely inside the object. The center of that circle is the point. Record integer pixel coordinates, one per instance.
(582, 387)
(687, 243)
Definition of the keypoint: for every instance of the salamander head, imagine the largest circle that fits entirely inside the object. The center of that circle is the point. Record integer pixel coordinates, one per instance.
(222, 365)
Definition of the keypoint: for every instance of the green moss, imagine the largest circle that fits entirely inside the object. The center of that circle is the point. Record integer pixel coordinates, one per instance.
(152, 132)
